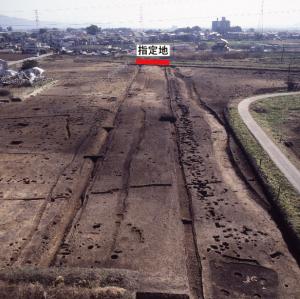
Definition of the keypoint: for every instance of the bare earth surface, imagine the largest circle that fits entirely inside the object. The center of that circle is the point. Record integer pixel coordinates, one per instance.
(14, 56)
(92, 178)
(218, 87)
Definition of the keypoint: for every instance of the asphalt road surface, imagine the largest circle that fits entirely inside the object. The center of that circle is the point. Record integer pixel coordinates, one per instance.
(282, 162)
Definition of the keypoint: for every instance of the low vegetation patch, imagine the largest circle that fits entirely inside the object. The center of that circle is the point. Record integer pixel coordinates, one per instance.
(55, 283)
(281, 117)
(28, 64)
(283, 194)
(4, 92)
(38, 291)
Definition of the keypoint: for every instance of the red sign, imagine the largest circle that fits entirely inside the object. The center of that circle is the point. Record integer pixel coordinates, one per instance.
(160, 62)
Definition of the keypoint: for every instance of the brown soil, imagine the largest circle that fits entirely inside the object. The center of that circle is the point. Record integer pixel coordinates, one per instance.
(120, 169)
(14, 56)
(218, 87)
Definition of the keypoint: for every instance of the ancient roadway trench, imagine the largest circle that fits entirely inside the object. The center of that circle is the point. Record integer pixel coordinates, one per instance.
(166, 194)
(74, 137)
(137, 214)
(240, 257)
(160, 201)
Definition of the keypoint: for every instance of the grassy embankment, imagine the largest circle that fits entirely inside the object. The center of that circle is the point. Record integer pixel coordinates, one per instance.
(280, 118)
(284, 196)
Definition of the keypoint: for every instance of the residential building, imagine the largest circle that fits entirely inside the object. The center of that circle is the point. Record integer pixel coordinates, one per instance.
(3, 66)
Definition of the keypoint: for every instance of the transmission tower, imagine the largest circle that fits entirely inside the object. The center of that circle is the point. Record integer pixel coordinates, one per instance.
(141, 17)
(262, 16)
(37, 21)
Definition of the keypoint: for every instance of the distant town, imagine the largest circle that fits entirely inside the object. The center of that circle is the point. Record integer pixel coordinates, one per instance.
(149, 163)
(115, 42)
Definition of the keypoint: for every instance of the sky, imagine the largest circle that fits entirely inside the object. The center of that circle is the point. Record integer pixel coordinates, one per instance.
(157, 13)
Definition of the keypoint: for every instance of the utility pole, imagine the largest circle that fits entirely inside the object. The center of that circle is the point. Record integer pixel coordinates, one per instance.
(282, 54)
(290, 82)
(37, 22)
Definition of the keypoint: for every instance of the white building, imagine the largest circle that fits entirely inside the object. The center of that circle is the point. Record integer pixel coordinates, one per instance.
(31, 47)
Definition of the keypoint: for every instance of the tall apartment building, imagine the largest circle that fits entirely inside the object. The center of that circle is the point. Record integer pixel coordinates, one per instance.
(222, 26)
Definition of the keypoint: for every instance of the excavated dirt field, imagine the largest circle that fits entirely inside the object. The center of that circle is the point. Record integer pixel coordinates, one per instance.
(13, 56)
(218, 87)
(118, 176)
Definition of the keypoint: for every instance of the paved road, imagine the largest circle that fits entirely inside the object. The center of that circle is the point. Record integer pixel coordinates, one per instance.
(282, 162)
(10, 63)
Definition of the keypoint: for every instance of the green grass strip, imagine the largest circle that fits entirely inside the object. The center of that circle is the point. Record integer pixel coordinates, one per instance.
(283, 194)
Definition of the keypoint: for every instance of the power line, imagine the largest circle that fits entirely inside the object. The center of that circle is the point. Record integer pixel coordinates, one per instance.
(112, 4)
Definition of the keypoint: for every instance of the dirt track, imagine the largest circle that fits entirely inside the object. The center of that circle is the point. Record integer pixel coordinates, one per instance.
(92, 178)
